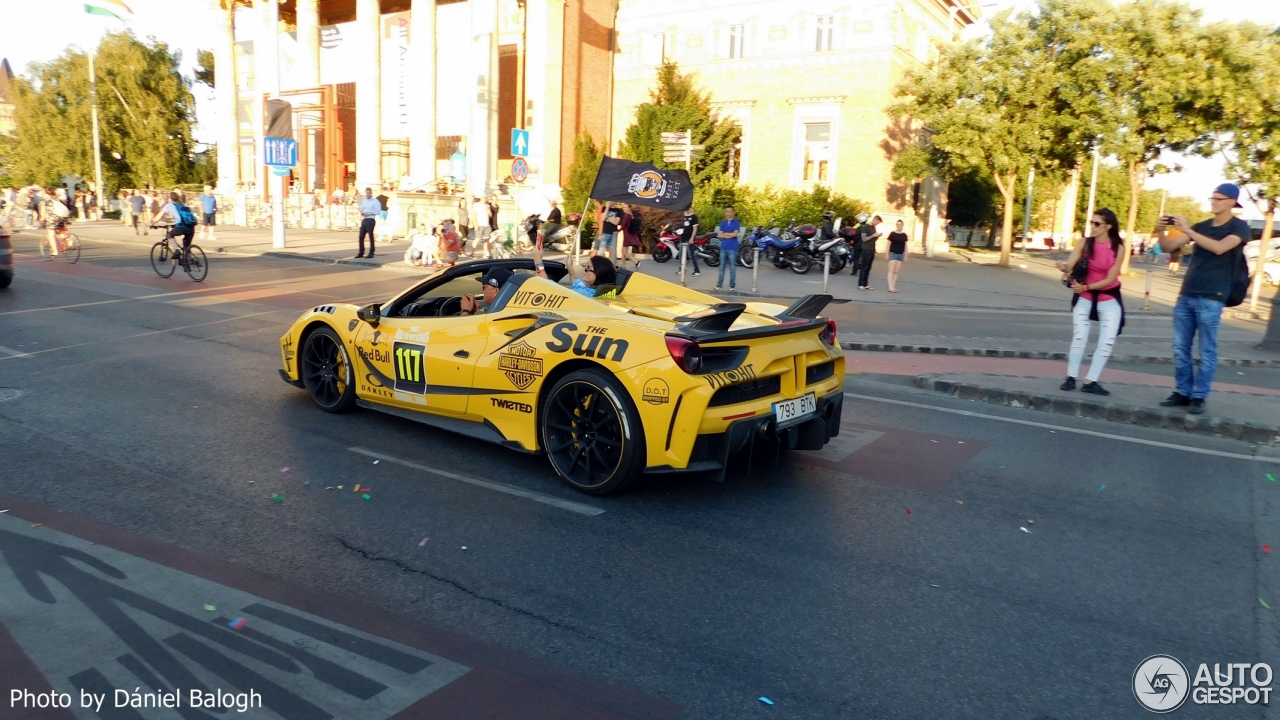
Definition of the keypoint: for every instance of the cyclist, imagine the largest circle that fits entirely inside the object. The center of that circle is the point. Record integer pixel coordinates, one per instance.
(57, 217)
(184, 222)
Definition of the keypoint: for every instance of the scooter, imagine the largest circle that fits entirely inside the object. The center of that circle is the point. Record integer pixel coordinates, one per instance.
(560, 237)
(818, 249)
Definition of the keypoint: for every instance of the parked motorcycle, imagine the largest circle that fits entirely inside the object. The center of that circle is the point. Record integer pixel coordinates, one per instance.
(559, 237)
(836, 247)
(785, 248)
(667, 246)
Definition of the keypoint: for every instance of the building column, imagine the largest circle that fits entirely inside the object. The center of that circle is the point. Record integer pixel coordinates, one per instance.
(369, 97)
(266, 79)
(308, 71)
(422, 107)
(544, 79)
(224, 72)
(482, 151)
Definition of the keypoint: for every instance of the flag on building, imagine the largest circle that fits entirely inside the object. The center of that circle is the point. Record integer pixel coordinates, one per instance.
(108, 8)
(642, 184)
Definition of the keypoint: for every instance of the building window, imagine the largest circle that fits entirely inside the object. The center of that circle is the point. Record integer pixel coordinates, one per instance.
(737, 35)
(817, 152)
(826, 25)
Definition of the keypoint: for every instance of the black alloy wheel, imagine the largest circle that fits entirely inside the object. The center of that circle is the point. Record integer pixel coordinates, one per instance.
(326, 371)
(592, 433)
(661, 253)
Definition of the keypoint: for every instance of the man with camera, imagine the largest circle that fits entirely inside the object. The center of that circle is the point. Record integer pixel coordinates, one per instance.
(1216, 245)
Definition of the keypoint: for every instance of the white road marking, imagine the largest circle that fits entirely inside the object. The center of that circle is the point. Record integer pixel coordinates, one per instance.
(1063, 428)
(571, 506)
(12, 352)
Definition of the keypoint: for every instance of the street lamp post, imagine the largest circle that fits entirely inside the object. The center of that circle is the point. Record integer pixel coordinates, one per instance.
(97, 146)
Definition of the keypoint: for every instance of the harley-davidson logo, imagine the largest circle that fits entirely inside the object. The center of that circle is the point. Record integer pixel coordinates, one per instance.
(519, 362)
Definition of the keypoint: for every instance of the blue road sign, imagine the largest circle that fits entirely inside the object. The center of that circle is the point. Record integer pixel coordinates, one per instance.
(519, 142)
(281, 152)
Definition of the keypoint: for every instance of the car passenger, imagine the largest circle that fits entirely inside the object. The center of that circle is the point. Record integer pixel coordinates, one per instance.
(598, 272)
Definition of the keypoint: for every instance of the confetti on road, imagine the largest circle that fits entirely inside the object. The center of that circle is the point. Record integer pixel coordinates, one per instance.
(37, 524)
(210, 608)
(765, 700)
(4, 511)
(236, 624)
(935, 585)
(306, 482)
(1054, 431)
(1271, 477)
(339, 487)
(356, 488)
(1104, 487)
(367, 496)
(1024, 530)
(375, 462)
(284, 469)
(1266, 548)
(1031, 522)
(933, 441)
(1264, 603)
(329, 488)
(278, 497)
(960, 441)
(464, 547)
(959, 502)
(424, 542)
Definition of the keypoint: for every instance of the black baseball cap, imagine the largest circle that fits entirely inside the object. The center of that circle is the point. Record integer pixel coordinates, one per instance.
(495, 277)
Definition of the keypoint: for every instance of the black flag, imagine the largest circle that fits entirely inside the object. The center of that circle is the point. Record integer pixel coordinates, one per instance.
(642, 184)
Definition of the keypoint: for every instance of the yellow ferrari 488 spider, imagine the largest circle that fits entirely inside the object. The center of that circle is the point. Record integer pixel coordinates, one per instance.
(645, 377)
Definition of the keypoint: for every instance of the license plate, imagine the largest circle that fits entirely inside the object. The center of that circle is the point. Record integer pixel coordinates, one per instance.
(793, 411)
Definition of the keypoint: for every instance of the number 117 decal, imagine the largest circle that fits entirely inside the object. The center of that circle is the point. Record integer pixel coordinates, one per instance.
(411, 376)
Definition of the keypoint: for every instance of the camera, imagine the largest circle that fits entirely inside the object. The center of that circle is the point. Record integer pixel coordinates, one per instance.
(1166, 220)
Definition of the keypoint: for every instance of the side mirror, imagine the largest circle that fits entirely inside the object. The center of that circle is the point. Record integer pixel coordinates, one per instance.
(371, 314)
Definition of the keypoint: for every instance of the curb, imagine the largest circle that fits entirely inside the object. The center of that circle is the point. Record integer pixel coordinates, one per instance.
(1037, 354)
(1100, 409)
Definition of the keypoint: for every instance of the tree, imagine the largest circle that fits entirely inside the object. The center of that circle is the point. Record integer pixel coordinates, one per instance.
(1162, 64)
(204, 67)
(145, 111)
(1252, 115)
(582, 173)
(998, 107)
(677, 104)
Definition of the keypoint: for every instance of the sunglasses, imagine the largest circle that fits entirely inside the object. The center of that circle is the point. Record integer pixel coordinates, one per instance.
(588, 269)
(1094, 223)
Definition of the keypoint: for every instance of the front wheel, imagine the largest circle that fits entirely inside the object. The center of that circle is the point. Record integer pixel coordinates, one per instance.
(712, 259)
(837, 263)
(747, 259)
(197, 265)
(591, 432)
(661, 253)
(800, 263)
(161, 260)
(326, 371)
(72, 251)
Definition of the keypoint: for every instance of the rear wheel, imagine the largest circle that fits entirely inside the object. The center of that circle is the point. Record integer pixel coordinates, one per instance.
(72, 251)
(799, 263)
(661, 253)
(326, 371)
(837, 263)
(161, 260)
(747, 258)
(712, 258)
(592, 433)
(197, 266)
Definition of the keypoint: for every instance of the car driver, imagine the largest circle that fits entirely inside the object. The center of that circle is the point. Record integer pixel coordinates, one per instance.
(493, 281)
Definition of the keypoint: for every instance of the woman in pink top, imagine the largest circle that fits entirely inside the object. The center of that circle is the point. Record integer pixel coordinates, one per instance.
(1101, 293)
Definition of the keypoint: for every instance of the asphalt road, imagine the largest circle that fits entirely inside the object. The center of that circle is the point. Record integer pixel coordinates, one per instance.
(888, 578)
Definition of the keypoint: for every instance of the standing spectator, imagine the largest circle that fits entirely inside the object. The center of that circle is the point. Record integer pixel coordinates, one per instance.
(464, 222)
(35, 202)
(92, 201)
(384, 228)
(1175, 260)
(479, 221)
(126, 214)
(1101, 292)
(897, 254)
(153, 208)
(493, 228)
(610, 220)
(1218, 244)
(81, 209)
(867, 241)
(688, 231)
(631, 225)
(370, 208)
(209, 209)
(729, 231)
(138, 211)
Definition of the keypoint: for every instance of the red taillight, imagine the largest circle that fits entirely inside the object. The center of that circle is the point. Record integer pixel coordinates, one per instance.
(686, 353)
(828, 334)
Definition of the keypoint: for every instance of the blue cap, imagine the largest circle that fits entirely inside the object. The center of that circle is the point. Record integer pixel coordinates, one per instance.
(1229, 190)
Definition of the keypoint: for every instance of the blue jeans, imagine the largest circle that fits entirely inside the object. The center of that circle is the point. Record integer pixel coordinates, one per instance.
(730, 258)
(1192, 315)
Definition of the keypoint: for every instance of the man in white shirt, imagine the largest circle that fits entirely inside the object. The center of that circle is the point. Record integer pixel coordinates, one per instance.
(480, 221)
(370, 209)
(423, 247)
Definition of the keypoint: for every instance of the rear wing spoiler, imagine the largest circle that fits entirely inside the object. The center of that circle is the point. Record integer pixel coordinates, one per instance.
(712, 324)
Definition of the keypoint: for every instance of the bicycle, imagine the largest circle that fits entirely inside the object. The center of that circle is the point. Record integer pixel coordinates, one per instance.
(68, 244)
(165, 258)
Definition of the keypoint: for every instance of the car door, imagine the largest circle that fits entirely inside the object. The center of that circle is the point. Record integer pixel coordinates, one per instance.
(424, 364)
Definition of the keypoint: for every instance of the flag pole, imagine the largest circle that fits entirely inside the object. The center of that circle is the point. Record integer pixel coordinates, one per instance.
(97, 145)
(577, 236)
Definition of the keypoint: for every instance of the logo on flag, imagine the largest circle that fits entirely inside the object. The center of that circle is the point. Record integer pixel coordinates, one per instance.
(647, 184)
